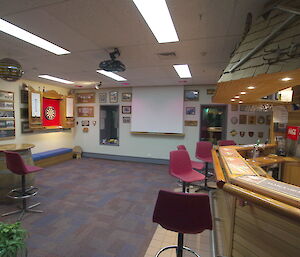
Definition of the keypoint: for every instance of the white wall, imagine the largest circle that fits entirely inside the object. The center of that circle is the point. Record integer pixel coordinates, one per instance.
(42, 141)
(150, 146)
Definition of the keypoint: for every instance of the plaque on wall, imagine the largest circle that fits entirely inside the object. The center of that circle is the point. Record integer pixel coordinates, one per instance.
(35, 105)
(85, 97)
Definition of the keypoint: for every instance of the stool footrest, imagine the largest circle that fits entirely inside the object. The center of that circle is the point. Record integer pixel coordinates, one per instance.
(175, 247)
(18, 194)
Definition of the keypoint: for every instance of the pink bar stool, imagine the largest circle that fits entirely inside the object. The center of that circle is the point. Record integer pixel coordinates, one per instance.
(16, 165)
(184, 214)
(180, 167)
(226, 142)
(196, 165)
(203, 153)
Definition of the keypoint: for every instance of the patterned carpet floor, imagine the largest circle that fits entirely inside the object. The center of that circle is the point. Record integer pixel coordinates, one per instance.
(94, 208)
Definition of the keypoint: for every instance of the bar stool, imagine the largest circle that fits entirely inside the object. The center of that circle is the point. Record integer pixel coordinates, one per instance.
(180, 167)
(184, 214)
(226, 142)
(16, 165)
(203, 153)
(196, 165)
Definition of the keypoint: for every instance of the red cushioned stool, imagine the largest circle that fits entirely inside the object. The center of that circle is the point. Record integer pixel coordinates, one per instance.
(203, 153)
(184, 214)
(196, 165)
(180, 167)
(16, 165)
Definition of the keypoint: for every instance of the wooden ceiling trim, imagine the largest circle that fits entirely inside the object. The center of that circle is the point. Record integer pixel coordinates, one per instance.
(265, 84)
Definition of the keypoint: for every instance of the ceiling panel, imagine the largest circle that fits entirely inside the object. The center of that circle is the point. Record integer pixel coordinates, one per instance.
(208, 32)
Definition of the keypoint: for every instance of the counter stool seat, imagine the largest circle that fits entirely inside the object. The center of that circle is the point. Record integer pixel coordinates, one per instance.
(184, 214)
(16, 165)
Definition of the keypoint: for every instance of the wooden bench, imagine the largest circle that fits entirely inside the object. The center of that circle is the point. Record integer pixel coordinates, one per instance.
(51, 157)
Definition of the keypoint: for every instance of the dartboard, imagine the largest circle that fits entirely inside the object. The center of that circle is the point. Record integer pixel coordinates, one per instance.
(50, 113)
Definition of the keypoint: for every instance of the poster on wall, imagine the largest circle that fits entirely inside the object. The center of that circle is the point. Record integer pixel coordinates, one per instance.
(51, 115)
(35, 105)
(69, 107)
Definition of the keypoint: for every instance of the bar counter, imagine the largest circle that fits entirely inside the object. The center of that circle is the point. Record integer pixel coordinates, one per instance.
(8, 180)
(257, 215)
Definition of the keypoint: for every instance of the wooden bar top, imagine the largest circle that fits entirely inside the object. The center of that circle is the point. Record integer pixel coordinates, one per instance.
(16, 147)
(248, 175)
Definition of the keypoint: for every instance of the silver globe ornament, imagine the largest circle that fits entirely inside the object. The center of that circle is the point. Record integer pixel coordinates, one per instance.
(10, 70)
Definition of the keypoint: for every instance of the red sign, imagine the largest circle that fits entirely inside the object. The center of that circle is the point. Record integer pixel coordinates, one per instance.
(293, 132)
(51, 115)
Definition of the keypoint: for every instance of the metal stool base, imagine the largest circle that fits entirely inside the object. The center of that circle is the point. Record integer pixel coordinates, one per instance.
(23, 211)
(175, 247)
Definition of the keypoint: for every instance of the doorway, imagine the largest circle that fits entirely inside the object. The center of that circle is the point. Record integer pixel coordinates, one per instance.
(213, 125)
(109, 124)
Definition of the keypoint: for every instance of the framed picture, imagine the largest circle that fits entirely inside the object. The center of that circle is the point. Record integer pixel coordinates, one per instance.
(126, 119)
(243, 119)
(210, 91)
(25, 127)
(102, 98)
(6, 96)
(113, 96)
(5, 134)
(24, 96)
(126, 109)
(85, 111)
(24, 113)
(244, 108)
(85, 98)
(126, 97)
(251, 119)
(234, 107)
(6, 105)
(7, 114)
(7, 124)
(190, 123)
(268, 119)
(191, 95)
(190, 110)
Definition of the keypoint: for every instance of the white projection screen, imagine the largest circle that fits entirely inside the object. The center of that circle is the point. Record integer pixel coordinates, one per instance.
(157, 109)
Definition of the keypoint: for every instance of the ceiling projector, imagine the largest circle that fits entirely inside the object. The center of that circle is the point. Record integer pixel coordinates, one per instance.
(113, 64)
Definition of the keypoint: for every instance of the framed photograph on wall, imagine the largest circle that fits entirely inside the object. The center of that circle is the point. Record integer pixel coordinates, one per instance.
(243, 119)
(85, 97)
(85, 111)
(24, 113)
(234, 107)
(126, 109)
(113, 96)
(126, 97)
(252, 119)
(102, 98)
(191, 95)
(210, 91)
(190, 110)
(190, 123)
(6, 96)
(25, 127)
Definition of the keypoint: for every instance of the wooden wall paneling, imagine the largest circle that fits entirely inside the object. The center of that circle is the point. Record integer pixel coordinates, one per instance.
(263, 233)
(294, 118)
(225, 212)
(291, 173)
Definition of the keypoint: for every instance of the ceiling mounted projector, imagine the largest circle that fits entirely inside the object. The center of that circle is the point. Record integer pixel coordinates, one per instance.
(113, 64)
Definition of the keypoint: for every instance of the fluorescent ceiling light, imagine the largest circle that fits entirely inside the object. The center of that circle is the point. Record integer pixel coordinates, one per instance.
(237, 96)
(111, 75)
(251, 87)
(24, 35)
(56, 79)
(158, 18)
(240, 102)
(243, 93)
(183, 71)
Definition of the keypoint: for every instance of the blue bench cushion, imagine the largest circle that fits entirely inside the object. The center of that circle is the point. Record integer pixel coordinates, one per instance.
(50, 153)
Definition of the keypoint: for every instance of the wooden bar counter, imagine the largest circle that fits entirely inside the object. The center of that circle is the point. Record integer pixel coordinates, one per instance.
(257, 215)
(8, 180)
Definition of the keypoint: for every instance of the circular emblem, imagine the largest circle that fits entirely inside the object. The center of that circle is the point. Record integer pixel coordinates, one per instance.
(50, 113)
